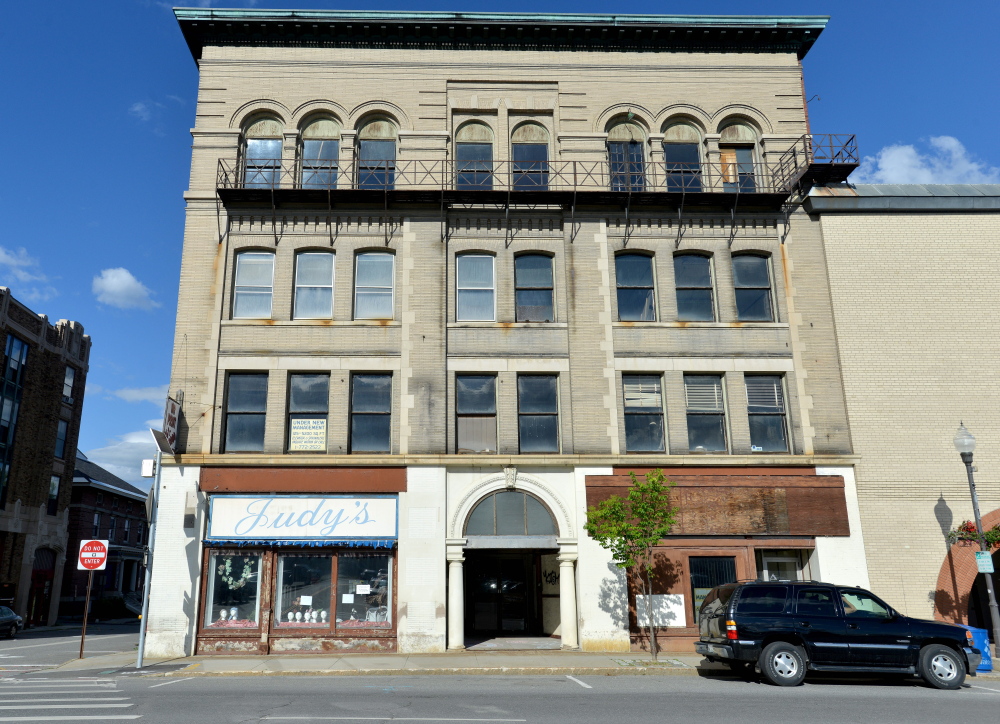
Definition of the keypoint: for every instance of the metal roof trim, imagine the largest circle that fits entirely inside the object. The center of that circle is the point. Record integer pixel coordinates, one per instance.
(862, 198)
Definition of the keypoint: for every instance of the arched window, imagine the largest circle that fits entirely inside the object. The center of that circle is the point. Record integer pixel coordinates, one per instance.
(510, 512)
(529, 146)
(682, 157)
(693, 281)
(320, 153)
(474, 157)
(736, 153)
(634, 278)
(377, 154)
(254, 284)
(625, 158)
(476, 289)
(533, 288)
(262, 154)
(752, 280)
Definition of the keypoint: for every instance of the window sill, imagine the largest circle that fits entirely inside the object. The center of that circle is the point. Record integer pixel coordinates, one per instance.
(705, 325)
(508, 325)
(310, 323)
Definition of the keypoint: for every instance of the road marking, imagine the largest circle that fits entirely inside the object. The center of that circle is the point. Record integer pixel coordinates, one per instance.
(76, 698)
(57, 643)
(36, 692)
(985, 688)
(70, 706)
(585, 686)
(375, 718)
(104, 717)
(175, 681)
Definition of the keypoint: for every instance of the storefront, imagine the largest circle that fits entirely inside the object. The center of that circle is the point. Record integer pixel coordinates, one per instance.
(299, 573)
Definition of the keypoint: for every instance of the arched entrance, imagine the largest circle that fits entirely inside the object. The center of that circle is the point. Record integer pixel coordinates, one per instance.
(960, 596)
(43, 572)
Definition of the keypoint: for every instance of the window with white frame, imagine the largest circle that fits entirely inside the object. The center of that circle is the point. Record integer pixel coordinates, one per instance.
(314, 285)
(254, 285)
(373, 285)
(766, 413)
(706, 413)
(475, 284)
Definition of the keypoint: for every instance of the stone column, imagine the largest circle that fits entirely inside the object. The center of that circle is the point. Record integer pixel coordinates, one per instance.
(456, 601)
(567, 601)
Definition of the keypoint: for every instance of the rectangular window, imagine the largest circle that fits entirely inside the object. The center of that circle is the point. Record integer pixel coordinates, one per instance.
(263, 163)
(737, 169)
(474, 166)
(625, 166)
(114, 502)
(68, 379)
(533, 288)
(475, 288)
(376, 164)
(314, 285)
(531, 166)
(634, 279)
(100, 498)
(53, 502)
(706, 413)
(96, 531)
(61, 432)
(643, 413)
(319, 163)
(140, 532)
(111, 528)
(766, 411)
(128, 506)
(693, 280)
(303, 596)
(233, 596)
(762, 599)
(364, 591)
(707, 572)
(125, 533)
(476, 413)
(254, 284)
(373, 286)
(538, 413)
(683, 166)
(246, 409)
(371, 413)
(752, 280)
(308, 405)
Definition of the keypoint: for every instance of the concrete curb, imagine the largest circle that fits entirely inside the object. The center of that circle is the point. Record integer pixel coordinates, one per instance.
(501, 671)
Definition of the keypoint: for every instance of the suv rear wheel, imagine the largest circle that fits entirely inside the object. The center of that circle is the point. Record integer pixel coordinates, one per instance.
(783, 664)
(941, 667)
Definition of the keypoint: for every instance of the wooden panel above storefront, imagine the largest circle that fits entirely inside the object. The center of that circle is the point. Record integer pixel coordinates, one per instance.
(812, 505)
(274, 479)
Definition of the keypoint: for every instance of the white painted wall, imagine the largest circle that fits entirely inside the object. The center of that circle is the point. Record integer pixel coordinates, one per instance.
(842, 560)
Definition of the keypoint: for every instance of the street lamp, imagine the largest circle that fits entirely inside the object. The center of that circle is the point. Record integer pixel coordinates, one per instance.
(965, 443)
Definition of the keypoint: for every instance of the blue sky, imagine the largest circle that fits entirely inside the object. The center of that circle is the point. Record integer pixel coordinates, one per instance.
(100, 96)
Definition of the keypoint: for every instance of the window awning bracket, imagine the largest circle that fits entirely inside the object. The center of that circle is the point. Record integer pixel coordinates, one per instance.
(628, 224)
(732, 216)
(572, 219)
(274, 218)
(680, 223)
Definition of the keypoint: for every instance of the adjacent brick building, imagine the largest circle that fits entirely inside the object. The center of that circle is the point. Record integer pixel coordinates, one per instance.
(105, 507)
(448, 278)
(41, 392)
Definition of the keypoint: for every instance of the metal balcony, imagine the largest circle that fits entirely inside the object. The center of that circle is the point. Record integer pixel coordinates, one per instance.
(817, 160)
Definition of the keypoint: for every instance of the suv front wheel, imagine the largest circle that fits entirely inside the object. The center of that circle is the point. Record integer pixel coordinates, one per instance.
(941, 667)
(783, 664)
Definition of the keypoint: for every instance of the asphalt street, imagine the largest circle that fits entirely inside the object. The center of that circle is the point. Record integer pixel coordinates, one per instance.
(41, 649)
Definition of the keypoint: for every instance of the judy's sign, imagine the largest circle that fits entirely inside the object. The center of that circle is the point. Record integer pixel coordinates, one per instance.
(294, 517)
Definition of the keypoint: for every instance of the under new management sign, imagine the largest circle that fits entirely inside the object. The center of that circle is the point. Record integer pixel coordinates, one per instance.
(295, 517)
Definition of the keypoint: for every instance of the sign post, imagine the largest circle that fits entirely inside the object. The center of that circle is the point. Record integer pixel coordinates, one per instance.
(93, 557)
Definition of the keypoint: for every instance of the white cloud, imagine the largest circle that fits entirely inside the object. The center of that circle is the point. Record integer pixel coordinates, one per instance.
(141, 110)
(945, 161)
(124, 454)
(155, 395)
(118, 288)
(31, 284)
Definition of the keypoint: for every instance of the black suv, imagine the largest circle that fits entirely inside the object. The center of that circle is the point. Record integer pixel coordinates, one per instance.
(787, 627)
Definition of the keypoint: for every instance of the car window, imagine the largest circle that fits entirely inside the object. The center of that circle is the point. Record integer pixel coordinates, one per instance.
(4, 611)
(762, 599)
(815, 602)
(859, 604)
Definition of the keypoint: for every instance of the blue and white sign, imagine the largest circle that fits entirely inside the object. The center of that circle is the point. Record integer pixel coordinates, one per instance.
(984, 561)
(299, 517)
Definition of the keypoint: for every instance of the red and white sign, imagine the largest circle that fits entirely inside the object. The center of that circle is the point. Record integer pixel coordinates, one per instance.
(93, 555)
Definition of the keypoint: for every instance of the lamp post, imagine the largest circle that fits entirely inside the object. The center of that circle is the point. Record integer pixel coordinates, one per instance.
(965, 443)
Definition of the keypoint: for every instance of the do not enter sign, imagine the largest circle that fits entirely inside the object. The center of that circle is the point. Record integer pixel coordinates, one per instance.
(93, 555)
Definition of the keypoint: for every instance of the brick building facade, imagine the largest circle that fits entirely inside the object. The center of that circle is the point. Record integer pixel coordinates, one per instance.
(43, 379)
(446, 280)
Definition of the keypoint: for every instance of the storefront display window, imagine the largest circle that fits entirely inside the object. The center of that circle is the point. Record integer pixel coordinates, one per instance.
(364, 591)
(707, 572)
(233, 597)
(303, 591)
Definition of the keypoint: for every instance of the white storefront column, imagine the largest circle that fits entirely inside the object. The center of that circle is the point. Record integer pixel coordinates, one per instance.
(456, 595)
(567, 600)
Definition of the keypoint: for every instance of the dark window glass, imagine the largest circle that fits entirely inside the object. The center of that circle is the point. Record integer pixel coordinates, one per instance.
(693, 279)
(53, 502)
(371, 408)
(319, 163)
(308, 403)
(531, 166)
(232, 598)
(538, 413)
(474, 166)
(61, 431)
(706, 413)
(643, 413)
(683, 166)
(476, 412)
(762, 599)
(815, 602)
(533, 288)
(766, 411)
(97, 526)
(263, 163)
(364, 591)
(625, 166)
(707, 572)
(304, 592)
(11, 386)
(246, 406)
(737, 169)
(68, 378)
(752, 280)
(634, 278)
(376, 164)
(510, 513)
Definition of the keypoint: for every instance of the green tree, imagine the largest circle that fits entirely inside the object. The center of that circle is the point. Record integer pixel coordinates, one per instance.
(630, 527)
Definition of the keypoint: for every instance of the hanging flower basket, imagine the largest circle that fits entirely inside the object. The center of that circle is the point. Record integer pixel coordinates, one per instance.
(966, 533)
